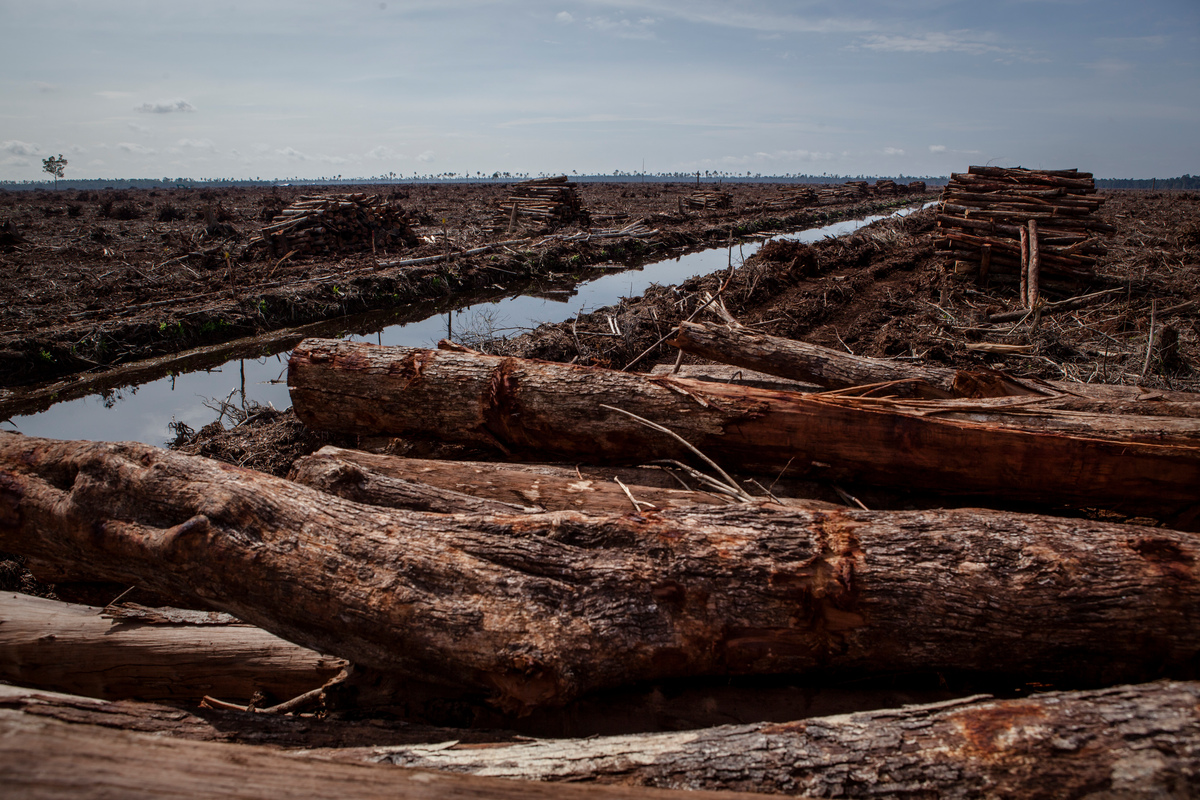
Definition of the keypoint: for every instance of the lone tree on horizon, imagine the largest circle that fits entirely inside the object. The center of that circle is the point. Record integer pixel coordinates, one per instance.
(55, 166)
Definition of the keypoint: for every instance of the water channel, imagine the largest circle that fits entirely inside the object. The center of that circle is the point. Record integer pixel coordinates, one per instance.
(143, 413)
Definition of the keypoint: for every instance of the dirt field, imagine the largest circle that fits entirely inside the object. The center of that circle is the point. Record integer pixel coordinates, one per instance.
(100, 278)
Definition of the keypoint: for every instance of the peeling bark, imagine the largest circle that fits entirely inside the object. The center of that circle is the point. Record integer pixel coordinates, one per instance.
(1009, 448)
(539, 608)
(1127, 742)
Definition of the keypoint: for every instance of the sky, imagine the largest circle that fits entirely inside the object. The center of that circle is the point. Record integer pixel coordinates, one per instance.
(318, 88)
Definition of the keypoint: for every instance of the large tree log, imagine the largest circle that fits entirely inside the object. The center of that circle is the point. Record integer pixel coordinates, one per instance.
(801, 361)
(539, 608)
(413, 483)
(49, 758)
(1130, 741)
(1137, 464)
(78, 649)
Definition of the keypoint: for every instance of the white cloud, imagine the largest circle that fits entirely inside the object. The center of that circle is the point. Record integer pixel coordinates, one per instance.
(18, 148)
(1110, 67)
(937, 148)
(111, 95)
(564, 17)
(426, 157)
(136, 149)
(196, 144)
(893, 151)
(624, 27)
(953, 42)
(292, 153)
(383, 153)
(133, 126)
(46, 88)
(165, 107)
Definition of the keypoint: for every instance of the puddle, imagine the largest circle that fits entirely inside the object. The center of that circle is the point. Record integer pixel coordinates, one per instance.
(143, 413)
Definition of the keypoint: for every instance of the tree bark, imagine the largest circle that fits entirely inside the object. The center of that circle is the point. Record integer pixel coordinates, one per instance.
(801, 361)
(83, 650)
(1137, 464)
(48, 758)
(539, 608)
(1129, 741)
(395, 482)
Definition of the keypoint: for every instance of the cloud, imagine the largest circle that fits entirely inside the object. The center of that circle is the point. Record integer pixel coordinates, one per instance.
(426, 157)
(292, 153)
(893, 151)
(111, 95)
(15, 147)
(136, 149)
(1110, 67)
(937, 148)
(953, 42)
(623, 28)
(564, 17)
(133, 126)
(165, 107)
(196, 144)
(46, 88)
(383, 153)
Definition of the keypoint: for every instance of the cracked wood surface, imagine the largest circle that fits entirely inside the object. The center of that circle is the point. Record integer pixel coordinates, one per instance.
(1014, 451)
(539, 608)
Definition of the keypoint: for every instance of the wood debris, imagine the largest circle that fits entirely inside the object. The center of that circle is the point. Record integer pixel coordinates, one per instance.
(553, 201)
(999, 220)
(332, 224)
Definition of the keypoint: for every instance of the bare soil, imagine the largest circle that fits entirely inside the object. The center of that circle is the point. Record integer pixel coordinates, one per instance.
(99, 278)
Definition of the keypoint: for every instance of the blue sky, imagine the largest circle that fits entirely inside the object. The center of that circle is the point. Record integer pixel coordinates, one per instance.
(309, 88)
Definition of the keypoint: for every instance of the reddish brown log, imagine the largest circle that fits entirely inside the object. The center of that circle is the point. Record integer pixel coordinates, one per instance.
(1130, 741)
(965, 447)
(540, 608)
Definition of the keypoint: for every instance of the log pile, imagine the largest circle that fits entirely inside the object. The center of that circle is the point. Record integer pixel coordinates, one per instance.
(708, 198)
(333, 224)
(847, 192)
(793, 197)
(552, 201)
(1022, 222)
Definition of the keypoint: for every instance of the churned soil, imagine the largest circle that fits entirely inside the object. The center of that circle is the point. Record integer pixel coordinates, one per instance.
(98, 278)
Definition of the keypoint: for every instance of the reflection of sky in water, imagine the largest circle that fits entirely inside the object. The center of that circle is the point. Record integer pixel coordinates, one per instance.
(143, 413)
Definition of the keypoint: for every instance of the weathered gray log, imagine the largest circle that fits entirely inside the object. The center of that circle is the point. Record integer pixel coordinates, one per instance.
(1128, 742)
(540, 608)
(1008, 447)
(81, 650)
(49, 758)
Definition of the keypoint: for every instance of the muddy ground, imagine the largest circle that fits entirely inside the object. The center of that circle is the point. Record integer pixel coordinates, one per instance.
(98, 278)
(883, 292)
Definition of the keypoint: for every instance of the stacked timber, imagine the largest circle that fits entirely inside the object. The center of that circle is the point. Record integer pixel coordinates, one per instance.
(793, 197)
(847, 192)
(331, 224)
(1004, 219)
(916, 187)
(888, 188)
(546, 200)
(708, 198)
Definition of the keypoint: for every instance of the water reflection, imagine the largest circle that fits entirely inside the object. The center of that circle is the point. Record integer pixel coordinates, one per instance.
(144, 413)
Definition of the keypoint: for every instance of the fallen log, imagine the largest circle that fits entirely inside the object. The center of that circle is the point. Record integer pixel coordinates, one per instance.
(49, 758)
(1129, 741)
(394, 482)
(110, 653)
(1013, 450)
(536, 609)
(800, 361)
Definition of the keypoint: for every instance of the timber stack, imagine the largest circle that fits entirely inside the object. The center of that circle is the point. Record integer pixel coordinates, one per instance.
(1022, 222)
(708, 198)
(332, 224)
(553, 201)
(793, 197)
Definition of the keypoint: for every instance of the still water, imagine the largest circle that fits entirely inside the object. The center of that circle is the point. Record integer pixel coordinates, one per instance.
(143, 413)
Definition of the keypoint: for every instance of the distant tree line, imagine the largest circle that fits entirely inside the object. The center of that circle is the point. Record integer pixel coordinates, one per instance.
(1182, 182)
